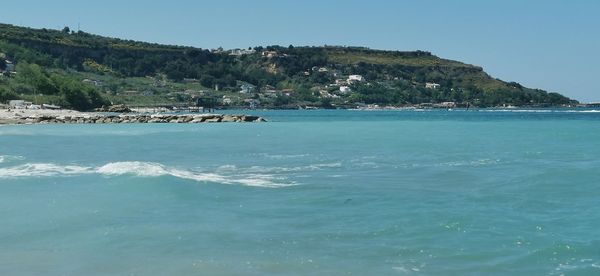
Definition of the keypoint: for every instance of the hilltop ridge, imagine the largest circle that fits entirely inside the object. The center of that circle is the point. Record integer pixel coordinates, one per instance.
(84, 71)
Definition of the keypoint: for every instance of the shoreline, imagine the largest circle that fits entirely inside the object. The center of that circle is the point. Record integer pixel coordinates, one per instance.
(47, 116)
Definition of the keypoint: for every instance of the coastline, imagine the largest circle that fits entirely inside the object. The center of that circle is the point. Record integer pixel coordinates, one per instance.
(47, 116)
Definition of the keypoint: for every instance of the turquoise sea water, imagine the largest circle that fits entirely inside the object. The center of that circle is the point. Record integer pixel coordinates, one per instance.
(308, 193)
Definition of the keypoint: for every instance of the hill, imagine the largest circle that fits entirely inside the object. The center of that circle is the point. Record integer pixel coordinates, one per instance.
(84, 71)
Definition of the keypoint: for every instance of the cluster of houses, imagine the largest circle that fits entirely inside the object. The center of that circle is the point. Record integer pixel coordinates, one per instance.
(242, 52)
(233, 52)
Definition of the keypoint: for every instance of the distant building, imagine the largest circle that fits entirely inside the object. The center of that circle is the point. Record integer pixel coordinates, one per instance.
(270, 91)
(287, 92)
(247, 88)
(432, 85)
(355, 78)
(226, 100)
(206, 101)
(269, 54)
(345, 89)
(241, 52)
(97, 83)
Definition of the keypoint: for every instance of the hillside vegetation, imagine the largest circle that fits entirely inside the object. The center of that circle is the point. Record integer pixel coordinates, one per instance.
(84, 71)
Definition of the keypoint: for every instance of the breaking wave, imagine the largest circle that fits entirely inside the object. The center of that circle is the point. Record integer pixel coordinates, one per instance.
(42, 169)
(143, 169)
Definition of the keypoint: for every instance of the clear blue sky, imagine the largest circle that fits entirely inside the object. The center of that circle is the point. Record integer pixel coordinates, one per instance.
(548, 44)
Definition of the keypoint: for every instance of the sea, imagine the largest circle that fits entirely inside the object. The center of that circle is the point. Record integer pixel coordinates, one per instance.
(311, 192)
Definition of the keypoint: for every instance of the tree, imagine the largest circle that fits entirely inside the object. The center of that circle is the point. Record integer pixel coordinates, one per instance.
(75, 97)
(6, 95)
(66, 30)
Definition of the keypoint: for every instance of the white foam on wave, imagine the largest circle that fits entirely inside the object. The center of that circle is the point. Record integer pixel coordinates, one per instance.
(147, 169)
(282, 156)
(311, 167)
(518, 110)
(142, 169)
(464, 163)
(42, 169)
(136, 168)
(583, 111)
(471, 163)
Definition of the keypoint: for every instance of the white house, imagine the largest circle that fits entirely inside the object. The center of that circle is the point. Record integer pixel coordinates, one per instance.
(269, 54)
(241, 52)
(355, 78)
(432, 85)
(345, 89)
(227, 100)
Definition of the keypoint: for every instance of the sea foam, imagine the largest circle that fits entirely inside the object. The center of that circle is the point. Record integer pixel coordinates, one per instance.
(143, 169)
(42, 169)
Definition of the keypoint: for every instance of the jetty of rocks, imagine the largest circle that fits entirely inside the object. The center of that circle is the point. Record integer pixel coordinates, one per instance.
(88, 118)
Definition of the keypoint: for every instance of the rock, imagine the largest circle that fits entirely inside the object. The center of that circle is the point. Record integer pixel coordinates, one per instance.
(90, 118)
(250, 118)
(213, 120)
(228, 118)
(120, 108)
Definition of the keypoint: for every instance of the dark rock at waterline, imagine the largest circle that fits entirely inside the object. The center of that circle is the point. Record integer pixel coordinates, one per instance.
(114, 108)
(131, 118)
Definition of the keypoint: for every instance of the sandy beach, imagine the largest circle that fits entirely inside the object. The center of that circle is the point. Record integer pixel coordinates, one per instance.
(9, 116)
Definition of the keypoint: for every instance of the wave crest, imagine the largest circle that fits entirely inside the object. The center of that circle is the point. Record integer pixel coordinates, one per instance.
(143, 169)
(42, 169)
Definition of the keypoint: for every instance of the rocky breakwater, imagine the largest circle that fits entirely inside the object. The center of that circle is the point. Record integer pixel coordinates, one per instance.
(90, 118)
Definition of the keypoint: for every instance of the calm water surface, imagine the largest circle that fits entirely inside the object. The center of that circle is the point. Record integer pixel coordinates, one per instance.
(309, 193)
